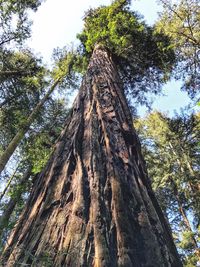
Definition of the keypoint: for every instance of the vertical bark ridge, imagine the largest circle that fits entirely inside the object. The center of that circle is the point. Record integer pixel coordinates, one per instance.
(93, 204)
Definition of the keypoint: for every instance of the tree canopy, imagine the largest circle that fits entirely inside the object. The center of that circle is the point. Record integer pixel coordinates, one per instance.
(144, 58)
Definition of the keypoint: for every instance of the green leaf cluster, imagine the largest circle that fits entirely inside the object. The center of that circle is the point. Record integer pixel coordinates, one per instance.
(22, 84)
(144, 58)
(69, 64)
(180, 21)
(38, 145)
(14, 21)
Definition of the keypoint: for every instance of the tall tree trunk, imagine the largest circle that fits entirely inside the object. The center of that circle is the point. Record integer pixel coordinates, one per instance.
(6, 155)
(93, 204)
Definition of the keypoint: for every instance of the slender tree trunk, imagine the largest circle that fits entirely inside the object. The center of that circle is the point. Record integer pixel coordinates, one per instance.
(20, 134)
(8, 183)
(192, 184)
(4, 218)
(184, 216)
(93, 204)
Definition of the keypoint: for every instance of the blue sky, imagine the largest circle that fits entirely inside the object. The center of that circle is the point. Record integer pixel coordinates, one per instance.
(57, 22)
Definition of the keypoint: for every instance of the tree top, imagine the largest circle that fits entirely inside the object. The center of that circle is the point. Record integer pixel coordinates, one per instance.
(143, 56)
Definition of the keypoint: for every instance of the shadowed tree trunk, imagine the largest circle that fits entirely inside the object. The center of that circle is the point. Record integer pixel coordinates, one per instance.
(10, 206)
(93, 204)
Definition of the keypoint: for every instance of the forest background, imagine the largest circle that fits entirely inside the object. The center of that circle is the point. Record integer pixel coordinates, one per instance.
(174, 137)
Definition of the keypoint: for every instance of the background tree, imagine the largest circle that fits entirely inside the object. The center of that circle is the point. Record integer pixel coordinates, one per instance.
(42, 87)
(14, 22)
(22, 85)
(180, 20)
(171, 149)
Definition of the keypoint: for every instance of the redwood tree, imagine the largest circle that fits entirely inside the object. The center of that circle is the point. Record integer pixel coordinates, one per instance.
(93, 204)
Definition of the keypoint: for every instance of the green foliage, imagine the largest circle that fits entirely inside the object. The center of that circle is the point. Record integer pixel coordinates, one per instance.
(190, 261)
(14, 22)
(20, 68)
(38, 145)
(180, 21)
(187, 240)
(38, 150)
(144, 58)
(17, 189)
(22, 84)
(171, 150)
(69, 64)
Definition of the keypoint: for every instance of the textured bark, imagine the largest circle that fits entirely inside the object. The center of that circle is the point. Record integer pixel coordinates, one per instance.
(93, 204)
